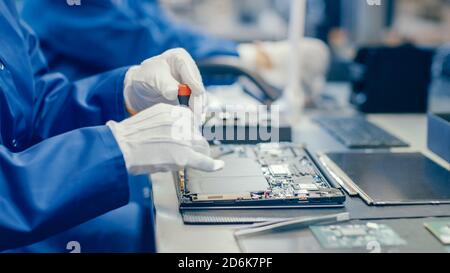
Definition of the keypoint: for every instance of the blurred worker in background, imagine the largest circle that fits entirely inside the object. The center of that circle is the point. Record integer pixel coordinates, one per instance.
(99, 35)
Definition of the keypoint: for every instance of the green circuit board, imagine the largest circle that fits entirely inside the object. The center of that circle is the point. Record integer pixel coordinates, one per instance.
(356, 236)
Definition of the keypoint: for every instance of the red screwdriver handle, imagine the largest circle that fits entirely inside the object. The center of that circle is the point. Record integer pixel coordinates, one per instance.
(184, 94)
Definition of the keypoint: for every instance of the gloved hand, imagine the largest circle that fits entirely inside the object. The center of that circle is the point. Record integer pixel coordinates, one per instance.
(272, 61)
(156, 81)
(162, 138)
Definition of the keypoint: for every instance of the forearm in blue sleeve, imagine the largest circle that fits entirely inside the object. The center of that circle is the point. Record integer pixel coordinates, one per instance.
(59, 183)
(63, 106)
(60, 105)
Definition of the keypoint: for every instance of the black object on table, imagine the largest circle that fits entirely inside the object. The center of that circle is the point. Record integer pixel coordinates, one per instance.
(391, 79)
(358, 133)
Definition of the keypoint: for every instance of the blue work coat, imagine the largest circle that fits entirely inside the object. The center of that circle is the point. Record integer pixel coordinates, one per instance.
(60, 167)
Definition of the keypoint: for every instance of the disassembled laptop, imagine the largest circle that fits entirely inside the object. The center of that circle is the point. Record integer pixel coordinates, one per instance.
(264, 175)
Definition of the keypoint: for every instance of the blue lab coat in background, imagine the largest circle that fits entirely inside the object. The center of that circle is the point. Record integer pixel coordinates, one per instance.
(60, 167)
(100, 35)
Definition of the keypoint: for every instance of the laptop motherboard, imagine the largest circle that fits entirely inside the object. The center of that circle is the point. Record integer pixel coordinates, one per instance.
(258, 176)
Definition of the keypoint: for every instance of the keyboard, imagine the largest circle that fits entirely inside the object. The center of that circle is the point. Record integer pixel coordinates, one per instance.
(358, 133)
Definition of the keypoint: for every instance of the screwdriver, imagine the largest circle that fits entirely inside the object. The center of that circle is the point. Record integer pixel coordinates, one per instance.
(184, 94)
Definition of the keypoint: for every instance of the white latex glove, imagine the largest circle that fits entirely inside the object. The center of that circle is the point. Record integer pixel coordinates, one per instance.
(162, 138)
(271, 60)
(156, 81)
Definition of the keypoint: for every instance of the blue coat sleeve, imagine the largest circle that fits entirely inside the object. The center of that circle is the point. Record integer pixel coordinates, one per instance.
(59, 183)
(60, 105)
(129, 31)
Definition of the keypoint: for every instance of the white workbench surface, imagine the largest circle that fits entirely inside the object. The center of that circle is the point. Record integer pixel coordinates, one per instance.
(174, 236)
